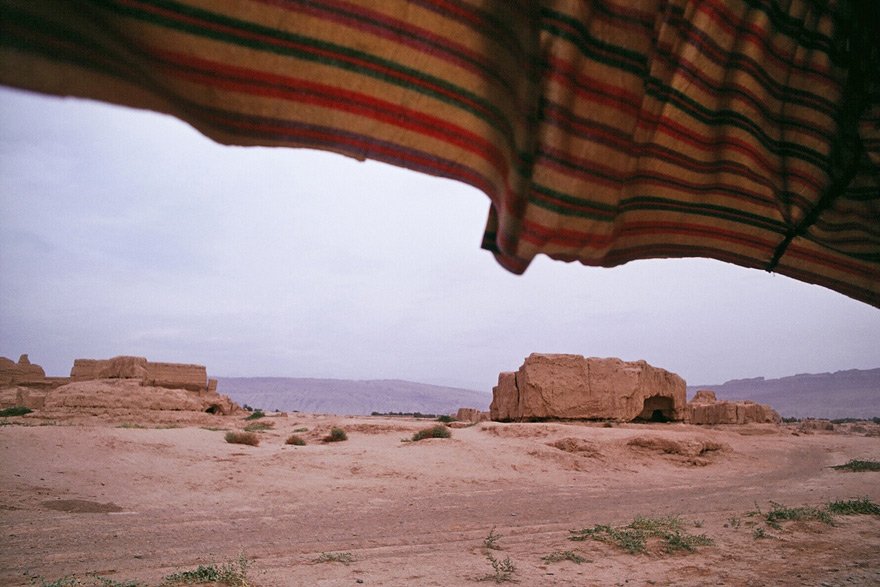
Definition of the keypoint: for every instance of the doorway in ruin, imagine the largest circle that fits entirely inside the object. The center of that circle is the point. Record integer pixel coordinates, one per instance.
(657, 409)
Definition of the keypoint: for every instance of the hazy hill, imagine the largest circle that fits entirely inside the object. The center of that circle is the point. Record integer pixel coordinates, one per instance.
(844, 394)
(342, 396)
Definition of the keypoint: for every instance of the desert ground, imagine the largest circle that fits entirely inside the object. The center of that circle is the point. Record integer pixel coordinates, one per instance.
(97, 502)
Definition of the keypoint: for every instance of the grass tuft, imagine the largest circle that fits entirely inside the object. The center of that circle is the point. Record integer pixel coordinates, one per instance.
(563, 555)
(334, 557)
(256, 415)
(780, 513)
(248, 438)
(633, 538)
(438, 431)
(259, 426)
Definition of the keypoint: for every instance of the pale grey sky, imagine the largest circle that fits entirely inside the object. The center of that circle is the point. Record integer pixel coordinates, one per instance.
(127, 232)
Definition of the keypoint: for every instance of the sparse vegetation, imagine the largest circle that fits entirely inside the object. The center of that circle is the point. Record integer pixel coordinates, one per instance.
(564, 555)
(301, 429)
(633, 538)
(295, 440)
(858, 465)
(15, 411)
(89, 581)
(780, 513)
(231, 574)
(733, 522)
(438, 431)
(334, 557)
(491, 540)
(405, 414)
(242, 438)
(256, 415)
(503, 569)
(759, 533)
(336, 435)
(446, 419)
(259, 426)
(852, 507)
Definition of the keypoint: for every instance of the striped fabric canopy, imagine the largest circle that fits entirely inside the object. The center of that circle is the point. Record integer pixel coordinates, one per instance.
(602, 131)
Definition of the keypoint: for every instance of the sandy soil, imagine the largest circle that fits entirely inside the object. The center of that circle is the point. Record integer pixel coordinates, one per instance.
(136, 504)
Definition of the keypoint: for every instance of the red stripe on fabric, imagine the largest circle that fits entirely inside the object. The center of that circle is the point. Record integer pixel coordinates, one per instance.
(310, 49)
(611, 95)
(382, 25)
(304, 91)
(681, 133)
(364, 145)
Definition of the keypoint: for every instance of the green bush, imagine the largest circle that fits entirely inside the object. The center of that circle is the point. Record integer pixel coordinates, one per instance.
(256, 415)
(248, 438)
(852, 507)
(336, 435)
(295, 440)
(859, 466)
(438, 431)
(15, 411)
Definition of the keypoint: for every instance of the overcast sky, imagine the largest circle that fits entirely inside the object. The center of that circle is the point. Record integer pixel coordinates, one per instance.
(127, 232)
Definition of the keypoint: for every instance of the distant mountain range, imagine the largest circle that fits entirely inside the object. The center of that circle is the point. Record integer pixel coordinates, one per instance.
(348, 397)
(844, 394)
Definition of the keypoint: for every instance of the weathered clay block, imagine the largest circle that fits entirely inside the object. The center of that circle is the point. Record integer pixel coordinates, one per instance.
(705, 409)
(471, 415)
(574, 387)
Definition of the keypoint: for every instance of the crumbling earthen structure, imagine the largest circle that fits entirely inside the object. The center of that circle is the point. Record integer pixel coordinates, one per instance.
(704, 408)
(117, 386)
(573, 387)
(22, 373)
(168, 375)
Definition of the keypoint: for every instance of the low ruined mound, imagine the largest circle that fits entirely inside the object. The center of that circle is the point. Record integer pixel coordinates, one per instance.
(559, 386)
(129, 398)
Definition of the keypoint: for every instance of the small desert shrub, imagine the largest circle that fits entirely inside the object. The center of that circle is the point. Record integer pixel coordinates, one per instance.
(503, 569)
(334, 557)
(256, 415)
(242, 438)
(15, 411)
(491, 540)
(232, 574)
(445, 419)
(563, 555)
(852, 507)
(759, 533)
(438, 431)
(259, 426)
(301, 429)
(859, 466)
(295, 440)
(336, 435)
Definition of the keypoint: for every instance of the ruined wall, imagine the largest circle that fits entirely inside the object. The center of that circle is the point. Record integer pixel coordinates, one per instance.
(574, 387)
(21, 373)
(169, 375)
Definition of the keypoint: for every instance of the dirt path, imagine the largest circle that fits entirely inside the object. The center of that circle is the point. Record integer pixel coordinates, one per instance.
(138, 504)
